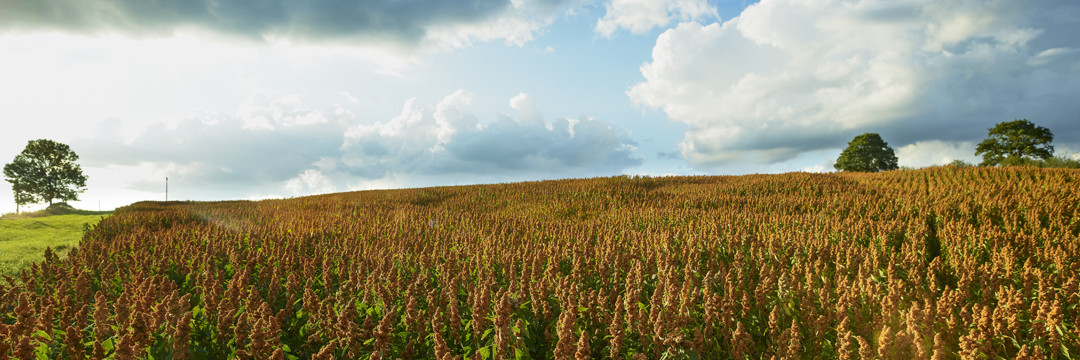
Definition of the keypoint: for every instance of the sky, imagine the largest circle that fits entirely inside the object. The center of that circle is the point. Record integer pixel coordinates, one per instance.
(255, 99)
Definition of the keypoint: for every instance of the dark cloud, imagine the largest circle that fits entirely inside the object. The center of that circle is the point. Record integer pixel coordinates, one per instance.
(404, 21)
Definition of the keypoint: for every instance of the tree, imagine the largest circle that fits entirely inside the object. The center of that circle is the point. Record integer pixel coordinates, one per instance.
(22, 195)
(867, 153)
(45, 171)
(1014, 143)
(958, 164)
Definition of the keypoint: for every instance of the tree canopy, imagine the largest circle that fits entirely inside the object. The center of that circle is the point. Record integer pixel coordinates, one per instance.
(867, 153)
(1013, 142)
(45, 171)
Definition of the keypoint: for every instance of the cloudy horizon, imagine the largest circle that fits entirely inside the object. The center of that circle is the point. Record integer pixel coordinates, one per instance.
(252, 99)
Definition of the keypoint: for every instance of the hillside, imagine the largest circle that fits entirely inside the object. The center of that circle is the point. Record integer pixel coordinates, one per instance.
(24, 237)
(937, 262)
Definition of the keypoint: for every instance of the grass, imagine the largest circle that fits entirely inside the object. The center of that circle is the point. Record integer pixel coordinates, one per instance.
(52, 210)
(23, 238)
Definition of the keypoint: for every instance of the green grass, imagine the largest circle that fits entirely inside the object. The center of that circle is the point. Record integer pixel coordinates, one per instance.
(23, 241)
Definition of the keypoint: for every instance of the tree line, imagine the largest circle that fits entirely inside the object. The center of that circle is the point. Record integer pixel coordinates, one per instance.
(1010, 143)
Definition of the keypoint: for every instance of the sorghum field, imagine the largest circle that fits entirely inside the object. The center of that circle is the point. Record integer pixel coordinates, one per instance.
(941, 263)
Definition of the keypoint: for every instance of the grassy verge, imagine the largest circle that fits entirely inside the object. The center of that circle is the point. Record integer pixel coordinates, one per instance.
(23, 241)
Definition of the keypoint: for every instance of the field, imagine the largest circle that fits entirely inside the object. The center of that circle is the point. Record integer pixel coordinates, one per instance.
(23, 241)
(941, 263)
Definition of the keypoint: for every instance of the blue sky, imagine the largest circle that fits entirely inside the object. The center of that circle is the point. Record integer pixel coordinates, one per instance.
(250, 99)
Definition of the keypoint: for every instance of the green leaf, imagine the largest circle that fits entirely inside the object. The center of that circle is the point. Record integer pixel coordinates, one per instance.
(521, 355)
(42, 351)
(41, 334)
(485, 352)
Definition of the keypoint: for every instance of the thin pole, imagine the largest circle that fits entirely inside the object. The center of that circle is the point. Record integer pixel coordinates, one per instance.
(166, 188)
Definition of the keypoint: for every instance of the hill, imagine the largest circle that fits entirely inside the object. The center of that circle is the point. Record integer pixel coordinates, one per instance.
(24, 237)
(52, 210)
(941, 262)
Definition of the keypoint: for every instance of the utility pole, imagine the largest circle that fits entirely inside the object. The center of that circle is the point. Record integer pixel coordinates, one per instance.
(166, 188)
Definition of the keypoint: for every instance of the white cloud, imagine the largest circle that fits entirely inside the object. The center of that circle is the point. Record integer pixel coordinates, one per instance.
(284, 112)
(935, 152)
(786, 76)
(279, 146)
(266, 142)
(447, 139)
(516, 25)
(820, 168)
(640, 16)
(350, 97)
(310, 182)
(527, 114)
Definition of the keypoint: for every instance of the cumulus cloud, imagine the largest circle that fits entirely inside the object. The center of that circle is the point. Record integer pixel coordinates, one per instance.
(787, 77)
(935, 152)
(447, 139)
(447, 23)
(260, 145)
(312, 181)
(640, 16)
(279, 146)
(515, 25)
(820, 168)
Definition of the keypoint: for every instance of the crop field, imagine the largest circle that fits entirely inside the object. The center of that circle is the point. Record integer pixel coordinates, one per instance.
(939, 263)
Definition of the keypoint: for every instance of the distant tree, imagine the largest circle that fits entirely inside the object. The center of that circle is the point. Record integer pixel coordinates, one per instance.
(1015, 143)
(1062, 161)
(959, 163)
(867, 153)
(45, 171)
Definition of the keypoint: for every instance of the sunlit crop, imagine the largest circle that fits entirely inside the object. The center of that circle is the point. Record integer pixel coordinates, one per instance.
(940, 263)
